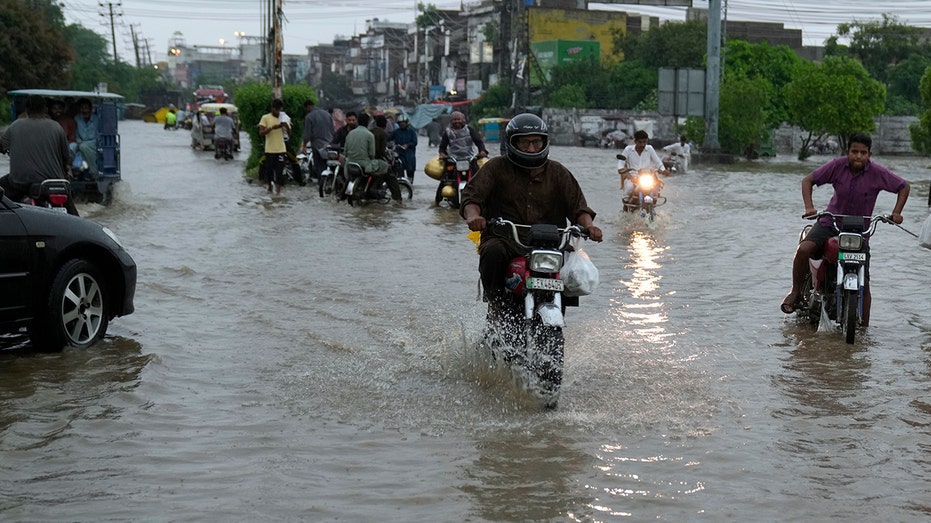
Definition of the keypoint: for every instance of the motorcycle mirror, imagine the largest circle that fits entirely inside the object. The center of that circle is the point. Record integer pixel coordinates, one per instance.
(621, 157)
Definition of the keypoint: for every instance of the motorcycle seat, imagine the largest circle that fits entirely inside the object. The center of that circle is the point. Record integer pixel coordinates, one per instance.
(354, 169)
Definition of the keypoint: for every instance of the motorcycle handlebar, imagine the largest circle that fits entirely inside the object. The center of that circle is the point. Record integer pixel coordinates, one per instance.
(874, 220)
(567, 233)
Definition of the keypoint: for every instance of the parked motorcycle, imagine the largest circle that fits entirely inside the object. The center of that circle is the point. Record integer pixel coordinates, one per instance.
(833, 289)
(364, 188)
(646, 195)
(332, 180)
(454, 177)
(530, 337)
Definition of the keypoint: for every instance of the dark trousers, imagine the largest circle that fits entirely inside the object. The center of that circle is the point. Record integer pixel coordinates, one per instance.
(494, 255)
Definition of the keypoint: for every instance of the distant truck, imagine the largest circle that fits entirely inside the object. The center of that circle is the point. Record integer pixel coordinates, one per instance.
(209, 94)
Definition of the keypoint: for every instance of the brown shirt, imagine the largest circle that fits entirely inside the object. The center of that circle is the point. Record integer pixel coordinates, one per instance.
(550, 194)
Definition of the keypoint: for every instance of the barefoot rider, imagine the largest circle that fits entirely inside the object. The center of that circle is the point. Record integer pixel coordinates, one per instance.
(857, 182)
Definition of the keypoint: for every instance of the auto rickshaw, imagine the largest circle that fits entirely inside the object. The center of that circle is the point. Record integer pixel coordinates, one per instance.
(202, 135)
(90, 183)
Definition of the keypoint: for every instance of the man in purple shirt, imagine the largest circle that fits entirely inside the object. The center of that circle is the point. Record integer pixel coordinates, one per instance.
(857, 182)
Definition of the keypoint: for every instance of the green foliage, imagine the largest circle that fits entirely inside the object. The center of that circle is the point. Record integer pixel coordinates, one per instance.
(835, 97)
(921, 131)
(33, 49)
(879, 45)
(619, 86)
(92, 61)
(495, 103)
(903, 78)
(568, 96)
(775, 65)
(742, 116)
(254, 100)
(668, 45)
(694, 130)
(650, 102)
(429, 15)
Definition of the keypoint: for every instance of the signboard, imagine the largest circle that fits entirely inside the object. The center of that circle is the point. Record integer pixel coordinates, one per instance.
(681, 91)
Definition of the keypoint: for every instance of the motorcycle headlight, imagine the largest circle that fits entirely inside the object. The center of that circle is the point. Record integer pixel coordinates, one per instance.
(850, 242)
(545, 261)
(646, 181)
(463, 165)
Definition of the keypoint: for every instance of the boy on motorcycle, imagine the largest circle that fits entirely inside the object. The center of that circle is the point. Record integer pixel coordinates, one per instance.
(500, 189)
(638, 155)
(857, 182)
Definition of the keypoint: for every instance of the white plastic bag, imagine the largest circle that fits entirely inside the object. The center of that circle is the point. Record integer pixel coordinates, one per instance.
(924, 239)
(579, 274)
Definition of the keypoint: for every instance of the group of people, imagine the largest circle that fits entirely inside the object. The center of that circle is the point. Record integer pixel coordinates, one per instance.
(44, 146)
(364, 139)
(525, 186)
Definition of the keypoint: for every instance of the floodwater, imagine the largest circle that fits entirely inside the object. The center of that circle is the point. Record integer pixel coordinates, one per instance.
(296, 359)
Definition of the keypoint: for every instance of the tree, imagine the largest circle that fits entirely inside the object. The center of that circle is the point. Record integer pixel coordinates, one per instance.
(568, 96)
(774, 65)
(33, 50)
(496, 102)
(921, 131)
(835, 97)
(668, 45)
(893, 53)
(254, 100)
(743, 114)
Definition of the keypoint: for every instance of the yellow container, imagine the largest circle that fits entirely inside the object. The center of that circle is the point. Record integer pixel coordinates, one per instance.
(434, 168)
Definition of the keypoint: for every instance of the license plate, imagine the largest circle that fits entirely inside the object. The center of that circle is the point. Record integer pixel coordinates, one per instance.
(852, 256)
(544, 284)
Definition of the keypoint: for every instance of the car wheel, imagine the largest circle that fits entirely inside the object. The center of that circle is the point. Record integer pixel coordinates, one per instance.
(75, 313)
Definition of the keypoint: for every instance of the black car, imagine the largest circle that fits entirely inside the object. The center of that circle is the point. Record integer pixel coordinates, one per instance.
(62, 277)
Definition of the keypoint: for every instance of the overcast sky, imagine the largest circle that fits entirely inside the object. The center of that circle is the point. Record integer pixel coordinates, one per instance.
(311, 22)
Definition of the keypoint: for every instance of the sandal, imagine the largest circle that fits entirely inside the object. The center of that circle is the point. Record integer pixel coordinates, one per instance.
(788, 304)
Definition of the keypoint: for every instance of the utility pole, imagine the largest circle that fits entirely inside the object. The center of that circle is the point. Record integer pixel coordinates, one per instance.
(112, 25)
(132, 31)
(279, 48)
(713, 77)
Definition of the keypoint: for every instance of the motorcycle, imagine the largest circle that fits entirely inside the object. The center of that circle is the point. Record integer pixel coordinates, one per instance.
(646, 195)
(332, 179)
(224, 149)
(364, 188)
(51, 194)
(456, 174)
(530, 337)
(833, 288)
(673, 162)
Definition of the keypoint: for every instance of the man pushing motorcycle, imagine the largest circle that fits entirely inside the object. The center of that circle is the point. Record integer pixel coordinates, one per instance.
(523, 186)
(857, 182)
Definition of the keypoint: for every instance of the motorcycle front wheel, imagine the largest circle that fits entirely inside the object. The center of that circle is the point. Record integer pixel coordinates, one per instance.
(548, 347)
(850, 317)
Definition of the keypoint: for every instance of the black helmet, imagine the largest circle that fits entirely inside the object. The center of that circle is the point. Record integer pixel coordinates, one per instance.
(526, 125)
(402, 118)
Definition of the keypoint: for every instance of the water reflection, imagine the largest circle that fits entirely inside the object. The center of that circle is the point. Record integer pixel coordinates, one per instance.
(41, 395)
(643, 311)
(528, 476)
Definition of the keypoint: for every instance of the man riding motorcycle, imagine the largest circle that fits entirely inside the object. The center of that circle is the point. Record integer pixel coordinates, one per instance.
(638, 155)
(461, 141)
(502, 189)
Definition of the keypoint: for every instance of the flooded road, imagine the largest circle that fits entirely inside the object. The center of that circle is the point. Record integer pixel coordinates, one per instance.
(301, 360)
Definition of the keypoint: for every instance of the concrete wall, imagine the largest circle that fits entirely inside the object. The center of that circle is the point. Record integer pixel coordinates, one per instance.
(587, 127)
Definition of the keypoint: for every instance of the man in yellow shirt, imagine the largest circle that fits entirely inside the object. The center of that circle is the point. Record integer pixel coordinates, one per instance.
(271, 168)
